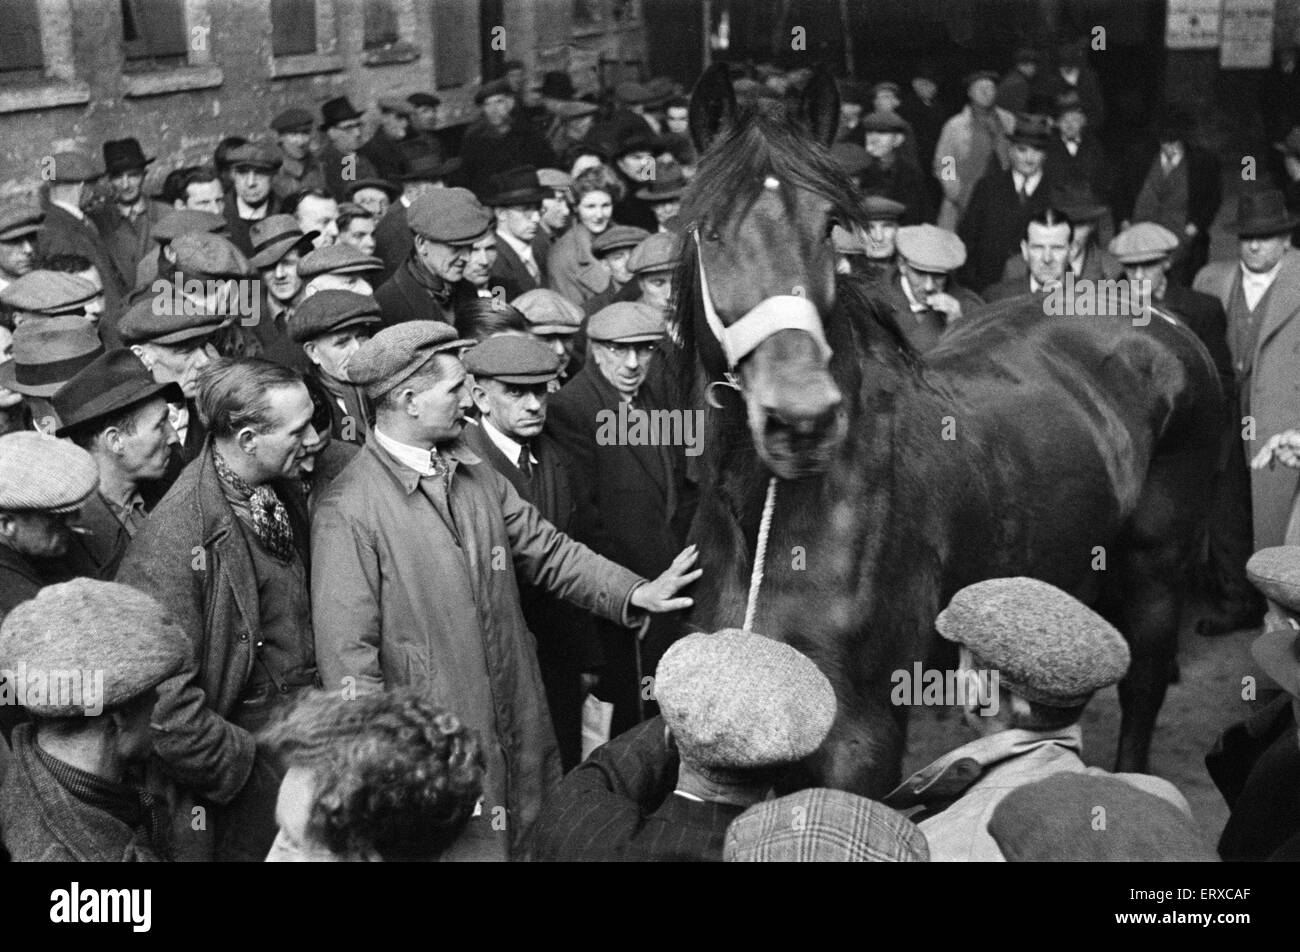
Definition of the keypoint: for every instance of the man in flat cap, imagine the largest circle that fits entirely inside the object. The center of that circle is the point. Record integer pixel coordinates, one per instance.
(739, 709)
(417, 509)
(879, 237)
(126, 220)
(251, 197)
(511, 383)
(422, 139)
(499, 141)
(104, 650)
(612, 248)
(633, 504)
(384, 148)
(339, 157)
(330, 327)
(1031, 658)
(120, 415)
(891, 170)
(226, 553)
(299, 169)
(67, 229)
(376, 196)
(664, 195)
(921, 291)
(278, 245)
(44, 293)
(557, 209)
(970, 143)
(20, 222)
(337, 267)
(555, 321)
(450, 227)
(652, 265)
(515, 197)
(834, 826)
(46, 354)
(394, 239)
(570, 124)
(177, 222)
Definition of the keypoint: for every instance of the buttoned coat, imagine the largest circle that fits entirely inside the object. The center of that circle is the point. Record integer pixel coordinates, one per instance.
(414, 583)
(574, 270)
(1269, 382)
(995, 224)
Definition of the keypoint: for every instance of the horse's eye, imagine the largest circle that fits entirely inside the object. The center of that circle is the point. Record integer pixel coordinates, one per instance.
(713, 235)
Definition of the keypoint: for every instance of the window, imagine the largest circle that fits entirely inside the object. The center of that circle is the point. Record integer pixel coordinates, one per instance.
(293, 27)
(154, 34)
(37, 66)
(380, 25)
(21, 56)
(456, 42)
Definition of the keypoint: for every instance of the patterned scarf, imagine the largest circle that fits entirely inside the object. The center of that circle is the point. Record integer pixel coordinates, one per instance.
(270, 519)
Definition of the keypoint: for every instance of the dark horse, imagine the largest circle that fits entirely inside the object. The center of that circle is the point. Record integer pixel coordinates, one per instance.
(1077, 450)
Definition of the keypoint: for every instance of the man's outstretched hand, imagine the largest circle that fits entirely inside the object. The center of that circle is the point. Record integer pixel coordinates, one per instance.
(660, 595)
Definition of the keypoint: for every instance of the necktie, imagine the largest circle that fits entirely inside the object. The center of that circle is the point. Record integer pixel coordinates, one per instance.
(525, 462)
(1020, 191)
(531, 265)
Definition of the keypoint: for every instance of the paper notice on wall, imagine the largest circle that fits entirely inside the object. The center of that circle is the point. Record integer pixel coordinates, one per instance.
(1246, 34)
(1192, 24)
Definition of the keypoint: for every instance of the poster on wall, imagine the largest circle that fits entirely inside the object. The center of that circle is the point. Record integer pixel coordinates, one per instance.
(1246, 34)
(1192, 24)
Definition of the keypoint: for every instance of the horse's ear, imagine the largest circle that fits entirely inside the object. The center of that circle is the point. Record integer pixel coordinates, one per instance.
(713, 106)
(820, 106)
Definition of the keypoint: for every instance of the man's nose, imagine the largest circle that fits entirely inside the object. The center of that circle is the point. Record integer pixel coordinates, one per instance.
(632, 360)
(532, 402)
(311, 437)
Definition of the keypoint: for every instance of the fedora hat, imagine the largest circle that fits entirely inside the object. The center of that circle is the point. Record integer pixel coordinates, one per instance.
(557, 84)
(48, 353)
(274, 236)
(336, 110)
(664, 188)
(1075, 199)
(1032, 130)
(124, 155)
(112, 382)
(1263, 212)
(517, 186)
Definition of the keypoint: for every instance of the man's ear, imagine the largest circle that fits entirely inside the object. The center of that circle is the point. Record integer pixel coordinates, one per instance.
(478, 393)
(309, 348)
(247, 440)
(1024, 251)
(139, 351)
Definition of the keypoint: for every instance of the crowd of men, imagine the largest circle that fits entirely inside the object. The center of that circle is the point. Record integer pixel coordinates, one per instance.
(302, 477)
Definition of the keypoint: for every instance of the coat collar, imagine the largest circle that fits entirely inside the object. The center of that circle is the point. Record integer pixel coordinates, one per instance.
(1283, 299)
(456, 454)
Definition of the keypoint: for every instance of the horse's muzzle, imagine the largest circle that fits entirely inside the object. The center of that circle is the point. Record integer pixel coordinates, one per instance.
(797, 429)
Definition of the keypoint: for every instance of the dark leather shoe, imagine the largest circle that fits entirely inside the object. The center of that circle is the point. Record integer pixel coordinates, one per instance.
(1225, 619)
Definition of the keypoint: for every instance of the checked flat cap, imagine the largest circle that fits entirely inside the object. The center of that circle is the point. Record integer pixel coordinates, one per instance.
(293, 119)
(626, 322)
(396, 353)
(337, 259)
(90, 626)
(548, 312)
(929, 248)
(450, 215)
(823, 826)
(513, 358)
(334, 310)
(74, 165)
(737, 702)
(39, 473)
(251, 155)
(49, 293)
(1047, 646)
(1143, 243)
(205, 255)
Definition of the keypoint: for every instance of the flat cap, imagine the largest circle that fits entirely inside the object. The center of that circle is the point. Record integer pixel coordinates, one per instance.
(567, 109)
(39, 473)
(548, 312)
(19, 219)
(450, 215)
(254, 156)
(333, 310)
(1275, 571)
(1142, 243)
(850, 156)
(819, 825)
(274, 237)
(391, 189)
(1278, 652)
(49, 293)
(337, 258)
(660, 252)
(879, 208)
(626, 322)
(294, 119)
(204, 255)
(498, 87)
(846, 242)
(929, 248)
(513, 358)
(87, 629)
(47, 353)
(736, 701)
(617, 236)
(396, 353)
(186, 221)
(1047, 646)
(154, 319)
(396, 104)
(883, 122)
(74, 165)
(554, 178)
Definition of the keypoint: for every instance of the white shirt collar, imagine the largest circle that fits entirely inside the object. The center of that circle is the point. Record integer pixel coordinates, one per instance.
(916, 306)
(412, 457)
(1070, 75)
(247, 212)
(1263, 278)
(71, 209)
(1028, 185)
(523, 249)
(508, 447)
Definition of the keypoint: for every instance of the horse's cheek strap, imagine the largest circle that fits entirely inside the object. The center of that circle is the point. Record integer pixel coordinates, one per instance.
(779, 313)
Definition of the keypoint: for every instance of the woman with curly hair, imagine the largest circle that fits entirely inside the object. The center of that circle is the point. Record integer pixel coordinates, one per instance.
(383, 777)
(574, 270)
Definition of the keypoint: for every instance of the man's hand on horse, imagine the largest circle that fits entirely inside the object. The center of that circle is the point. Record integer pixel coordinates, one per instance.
(660, 595)
(945, 304)
(1281, 448)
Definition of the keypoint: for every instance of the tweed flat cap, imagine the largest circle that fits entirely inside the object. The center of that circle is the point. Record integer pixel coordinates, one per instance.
(513, 358)
(879, 208)
(617, 236)
(333, 310)
(87, 628)
(883, 122)
(1047, 646)
(252, 155)
(152, 319)
(1275, 571)
(554, 178)
(75, 165)
(204, 255)
(1143, 243)
(928, 248)
(399, 105)
(19, 219)
(39, 473)
(852, 158)
(186, 221)
(548, 312)
(736, 701)
(274, 237)
(498, 87)
(846, 242)
(396, 353)
(49, 293)
(47, 353)
(626, 322)
(1054, 820)
(659, 252)
(294, 119)
(337, 258)
(450, 215)
(823, 826)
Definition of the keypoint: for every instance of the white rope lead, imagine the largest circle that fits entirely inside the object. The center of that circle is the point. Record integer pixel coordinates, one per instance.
(760, 554)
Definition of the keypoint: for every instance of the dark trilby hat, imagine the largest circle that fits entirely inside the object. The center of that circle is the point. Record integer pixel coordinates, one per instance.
(1075, 199)
(517, 186)
(425, 168)
(124, 155)
(557, 84)
(274, 237)
(667, 187)
(336, 110)
(1263, 212)
(1032, 130)
(498, 87)
(113, 382)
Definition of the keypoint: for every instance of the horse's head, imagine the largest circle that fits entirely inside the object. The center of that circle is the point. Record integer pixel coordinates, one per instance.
(757, 220)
